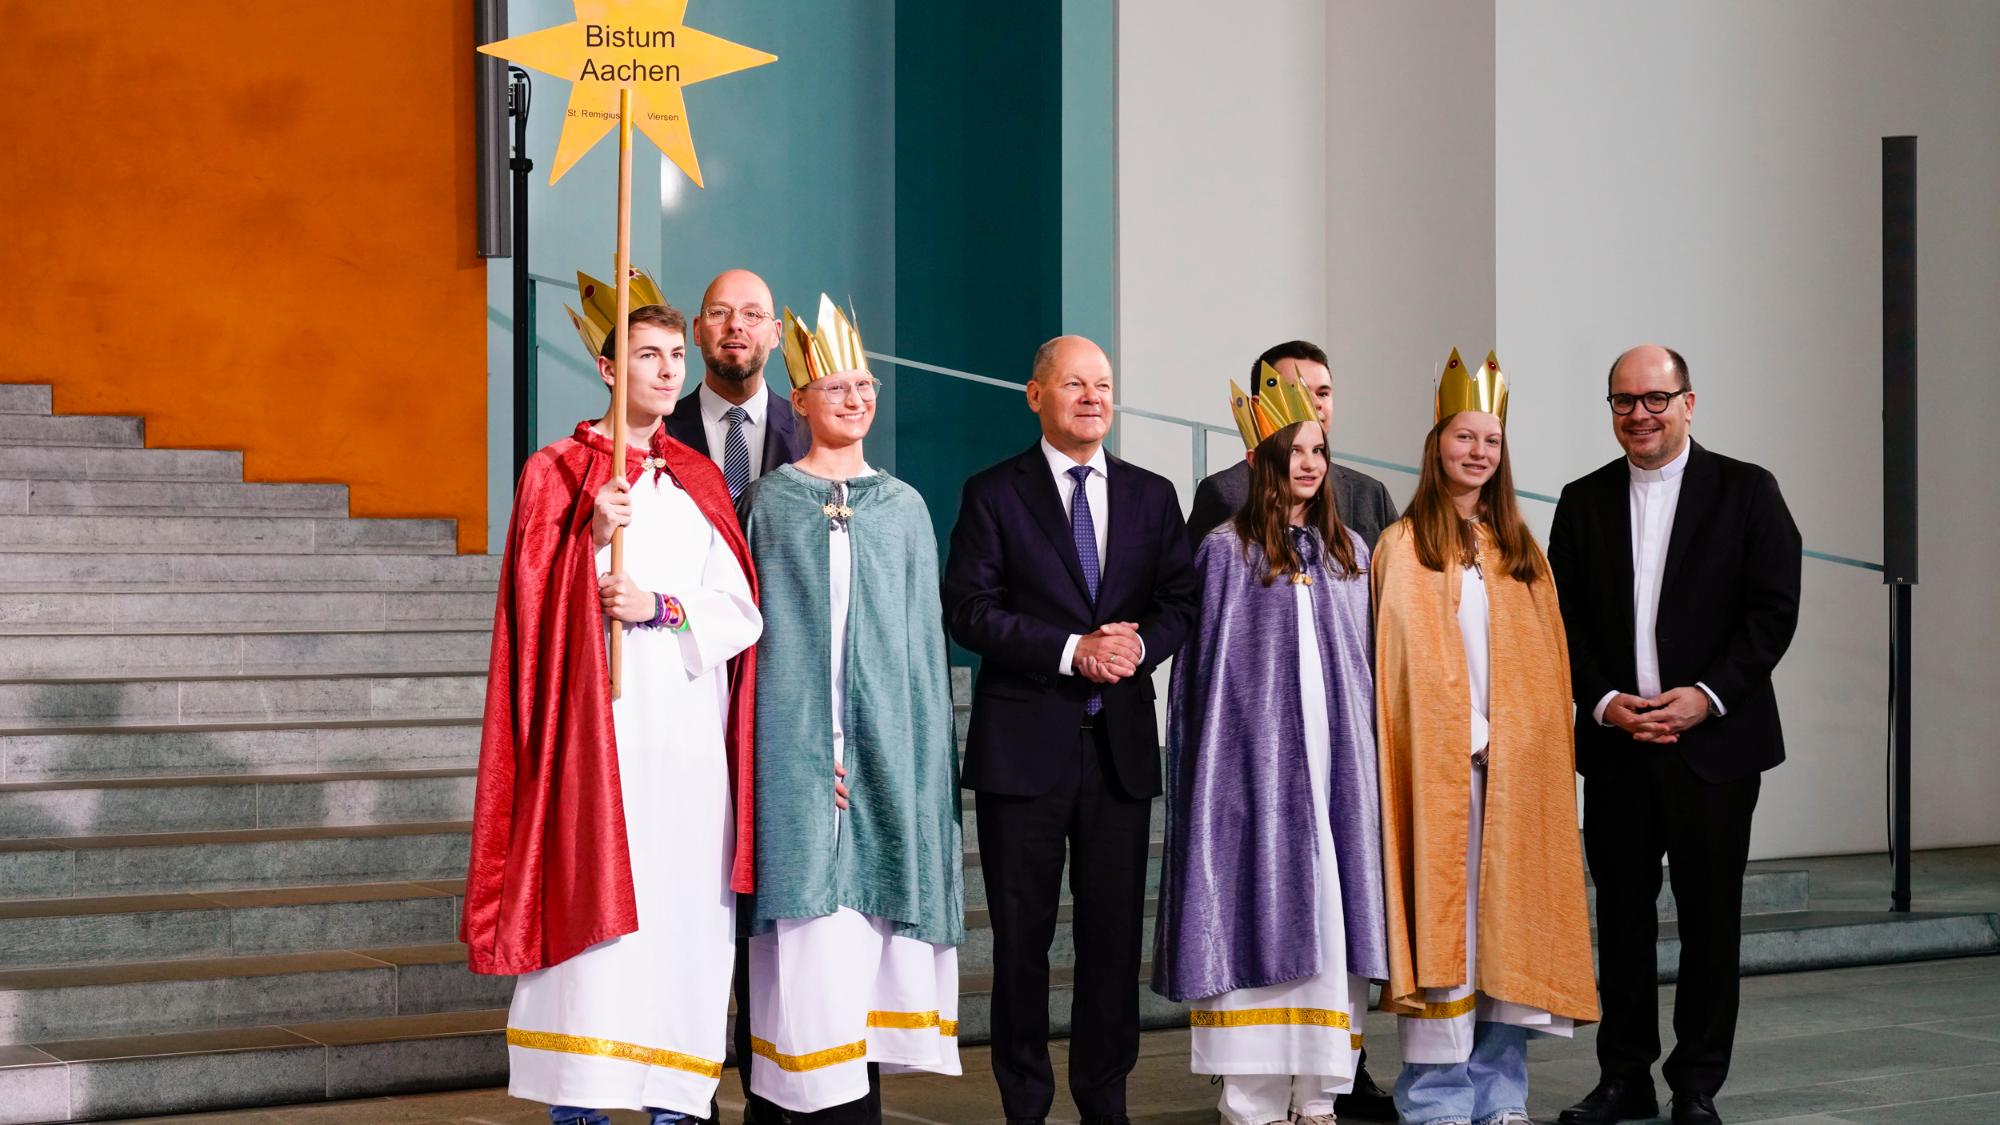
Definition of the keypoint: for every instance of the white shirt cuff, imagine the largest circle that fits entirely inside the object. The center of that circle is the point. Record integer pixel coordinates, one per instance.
(1714, 700)
(1597, 712)
(1068, 665)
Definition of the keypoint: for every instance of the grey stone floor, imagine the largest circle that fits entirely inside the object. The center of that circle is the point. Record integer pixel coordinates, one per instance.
(1915, 1043)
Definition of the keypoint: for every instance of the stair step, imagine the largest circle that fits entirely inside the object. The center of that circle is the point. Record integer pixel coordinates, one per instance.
(125, 806)
(230, 859)
(295, 572)
(48, 704)
(46, 462)
(216, 748)
(42, 932)
(209, 1070)
(209, 499)
(245, 652)
(247, 535)
(1800, 941)
(74, 1001)
(71, 429)
(26, 398)
(114, 612)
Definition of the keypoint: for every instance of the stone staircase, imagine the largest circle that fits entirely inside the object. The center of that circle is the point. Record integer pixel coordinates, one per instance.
(237, 742)
(237, 739)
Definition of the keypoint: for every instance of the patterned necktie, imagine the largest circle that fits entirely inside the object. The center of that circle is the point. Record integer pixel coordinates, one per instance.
(1084, 532)
(736, 452)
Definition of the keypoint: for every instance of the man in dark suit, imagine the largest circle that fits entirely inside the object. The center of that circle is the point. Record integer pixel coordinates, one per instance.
(1361, 500)
(1678, 570)
(1070, 576)
(745, 427)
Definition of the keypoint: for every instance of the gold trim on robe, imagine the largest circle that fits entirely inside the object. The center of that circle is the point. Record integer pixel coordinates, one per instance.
(611, 1049)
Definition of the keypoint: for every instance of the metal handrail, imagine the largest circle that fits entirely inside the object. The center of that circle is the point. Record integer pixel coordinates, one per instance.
(1202, 429)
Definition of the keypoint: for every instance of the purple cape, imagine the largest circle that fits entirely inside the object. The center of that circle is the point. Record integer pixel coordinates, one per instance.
(1241, 869)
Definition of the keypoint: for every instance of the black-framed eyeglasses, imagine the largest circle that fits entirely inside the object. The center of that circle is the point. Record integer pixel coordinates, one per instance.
(1655, 401)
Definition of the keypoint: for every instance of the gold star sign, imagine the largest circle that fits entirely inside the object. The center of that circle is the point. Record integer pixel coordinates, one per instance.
(642, 45)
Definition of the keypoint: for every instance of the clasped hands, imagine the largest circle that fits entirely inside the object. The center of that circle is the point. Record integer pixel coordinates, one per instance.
(1660, 720)
(1110, 654)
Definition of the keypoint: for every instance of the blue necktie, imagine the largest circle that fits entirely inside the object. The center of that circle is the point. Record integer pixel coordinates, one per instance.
(1084, 532)
(736, 452)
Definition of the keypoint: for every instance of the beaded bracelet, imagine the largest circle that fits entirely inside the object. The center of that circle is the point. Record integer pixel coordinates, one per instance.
(668, 614)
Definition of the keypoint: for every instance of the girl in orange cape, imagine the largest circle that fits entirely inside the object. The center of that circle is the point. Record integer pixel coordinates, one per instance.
(1482, 864)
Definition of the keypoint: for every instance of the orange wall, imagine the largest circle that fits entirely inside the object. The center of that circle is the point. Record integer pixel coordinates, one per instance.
(253, 225)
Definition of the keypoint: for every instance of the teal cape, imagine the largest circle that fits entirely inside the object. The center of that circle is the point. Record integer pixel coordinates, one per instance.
(900, 853)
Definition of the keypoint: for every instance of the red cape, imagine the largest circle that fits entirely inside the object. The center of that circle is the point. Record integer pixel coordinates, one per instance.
(549, 874)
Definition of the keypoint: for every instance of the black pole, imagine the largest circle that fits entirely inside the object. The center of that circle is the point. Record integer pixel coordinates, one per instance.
(524, 324)
(1899, 469)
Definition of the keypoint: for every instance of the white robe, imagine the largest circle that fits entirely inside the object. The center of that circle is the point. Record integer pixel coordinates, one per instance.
(831, 994)
(641, 1020)
(1443, 1032)
(1292, 1045)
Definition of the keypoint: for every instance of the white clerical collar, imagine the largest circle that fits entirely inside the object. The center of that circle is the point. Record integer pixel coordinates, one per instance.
(1061, 463)
(1668, 471)
(714, 406)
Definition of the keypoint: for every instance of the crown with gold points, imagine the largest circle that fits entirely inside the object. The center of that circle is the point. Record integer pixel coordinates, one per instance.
(835, 346)
(1280, 401)
(1483, 390)
(600, 306)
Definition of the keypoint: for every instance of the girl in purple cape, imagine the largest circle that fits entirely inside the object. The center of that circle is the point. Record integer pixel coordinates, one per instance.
(1271, 921)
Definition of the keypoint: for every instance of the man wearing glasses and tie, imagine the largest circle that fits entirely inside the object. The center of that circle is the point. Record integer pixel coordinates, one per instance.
(741, 424)
(747, 430)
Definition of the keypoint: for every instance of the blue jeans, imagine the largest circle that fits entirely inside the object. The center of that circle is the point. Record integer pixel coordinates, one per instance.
(1479, 1091)
(577, 1115)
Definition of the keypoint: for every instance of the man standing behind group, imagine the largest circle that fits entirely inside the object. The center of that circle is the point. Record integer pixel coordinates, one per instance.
(742, 425)
(1070, 622)
(1360, 499)
(1679, 575)
(748, 430)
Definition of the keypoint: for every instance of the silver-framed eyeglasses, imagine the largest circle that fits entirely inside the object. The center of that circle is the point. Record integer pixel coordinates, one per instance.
(1655, 401)
(863, 390)
(719, 314)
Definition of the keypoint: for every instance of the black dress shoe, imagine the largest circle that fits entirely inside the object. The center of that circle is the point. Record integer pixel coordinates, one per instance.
(1026, 1120)
(1614, 1100)
(1695, 1109)
(1108, 1119)
(1367, 1101)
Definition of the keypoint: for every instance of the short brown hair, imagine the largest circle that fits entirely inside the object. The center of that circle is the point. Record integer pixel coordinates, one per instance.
(659, 316)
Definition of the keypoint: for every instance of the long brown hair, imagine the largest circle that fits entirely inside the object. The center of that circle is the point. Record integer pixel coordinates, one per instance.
(1264, 520)
(1440, 533)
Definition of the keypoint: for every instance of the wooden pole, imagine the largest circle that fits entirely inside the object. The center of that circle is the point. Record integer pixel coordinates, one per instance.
(623, 266)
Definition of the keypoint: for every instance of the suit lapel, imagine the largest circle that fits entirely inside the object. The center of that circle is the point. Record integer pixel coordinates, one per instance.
(1038, 492)
(685, 425)
(1696, 501)
(1121, 496)
(777, 430)
(1617, 546)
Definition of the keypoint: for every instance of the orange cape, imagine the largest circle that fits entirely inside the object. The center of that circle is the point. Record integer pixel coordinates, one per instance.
(1534, 927)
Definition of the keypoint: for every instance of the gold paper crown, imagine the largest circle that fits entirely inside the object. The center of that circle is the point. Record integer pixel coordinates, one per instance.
(835, 347)
(1280, 401)
(1484, 390)
(600, 307)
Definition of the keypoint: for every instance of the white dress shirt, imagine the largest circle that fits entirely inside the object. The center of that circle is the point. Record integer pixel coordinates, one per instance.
(714, 406)
(1655, 496)
(1095, 491)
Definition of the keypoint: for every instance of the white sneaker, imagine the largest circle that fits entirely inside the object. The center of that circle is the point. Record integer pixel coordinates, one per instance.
(1312, 1119)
